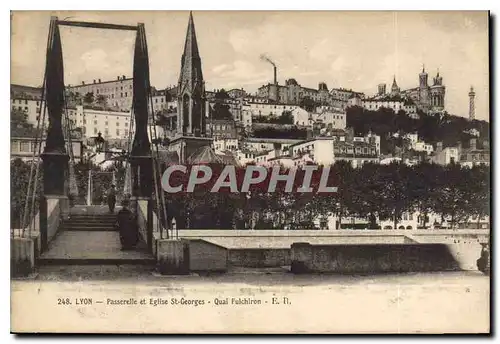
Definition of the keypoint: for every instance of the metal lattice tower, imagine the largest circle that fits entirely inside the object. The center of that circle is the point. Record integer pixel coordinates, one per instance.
(472, 109)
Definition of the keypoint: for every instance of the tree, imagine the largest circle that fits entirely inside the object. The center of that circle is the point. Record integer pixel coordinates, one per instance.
(19, 124)
(221, 111)
(424, 183)
(367, 192)
(396, 197)
(286, 118)
(479, 192)
(221, 94)
(308, 104)
(89, 98)
(102, 100)
(20, 174)
(453, 198)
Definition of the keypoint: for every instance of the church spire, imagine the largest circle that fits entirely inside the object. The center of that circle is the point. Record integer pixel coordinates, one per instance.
(191, 61)
(394, 83)
(394, 88)
(191, 88)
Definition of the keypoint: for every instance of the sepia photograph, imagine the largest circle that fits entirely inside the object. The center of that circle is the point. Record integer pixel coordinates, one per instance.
(250, 172)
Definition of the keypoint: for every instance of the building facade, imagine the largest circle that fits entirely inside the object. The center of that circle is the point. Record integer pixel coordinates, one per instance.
(26, 148)
(474, 155)
(267, 109)
(445, 156)
(221, 128)
(293, 93)
(111, 124)
(118, 93)
(395, 103)
(31, 107)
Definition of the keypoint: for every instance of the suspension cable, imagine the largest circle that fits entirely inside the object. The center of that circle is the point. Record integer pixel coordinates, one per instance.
(38, 139)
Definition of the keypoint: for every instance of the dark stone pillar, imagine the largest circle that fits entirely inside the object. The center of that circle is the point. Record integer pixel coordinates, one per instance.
(55, 173)
(55, 157)
(142, 176)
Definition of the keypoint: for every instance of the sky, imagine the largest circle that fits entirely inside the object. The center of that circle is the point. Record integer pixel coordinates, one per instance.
(353, 50)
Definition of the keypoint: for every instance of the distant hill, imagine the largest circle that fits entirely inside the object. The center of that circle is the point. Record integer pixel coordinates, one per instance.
(444, 128)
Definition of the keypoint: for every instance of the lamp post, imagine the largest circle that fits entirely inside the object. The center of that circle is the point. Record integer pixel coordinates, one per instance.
(99, 142)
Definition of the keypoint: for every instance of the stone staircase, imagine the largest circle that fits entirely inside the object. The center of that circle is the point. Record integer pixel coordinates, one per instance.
(89, 237)
(90, 222)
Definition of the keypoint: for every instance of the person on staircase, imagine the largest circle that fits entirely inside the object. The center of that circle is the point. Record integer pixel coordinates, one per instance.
(112, 199)
(127, 226)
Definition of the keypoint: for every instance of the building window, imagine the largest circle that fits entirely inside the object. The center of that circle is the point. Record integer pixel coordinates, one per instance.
(117, 132)
(25, 146)
(106, 123)
(125, 94)
(26, 102)
(95, 122)
(126, 132)
(117, 124)
(95, 131)
(106, 132)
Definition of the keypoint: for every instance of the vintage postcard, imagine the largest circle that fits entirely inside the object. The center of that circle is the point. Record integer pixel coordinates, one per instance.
(250, 172)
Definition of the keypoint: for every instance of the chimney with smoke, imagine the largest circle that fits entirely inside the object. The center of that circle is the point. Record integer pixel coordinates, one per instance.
(267, 59)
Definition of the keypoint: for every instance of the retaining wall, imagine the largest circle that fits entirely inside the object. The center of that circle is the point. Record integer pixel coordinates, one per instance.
(206, 256)
(259, 258)
(22, 256)
(372, 258)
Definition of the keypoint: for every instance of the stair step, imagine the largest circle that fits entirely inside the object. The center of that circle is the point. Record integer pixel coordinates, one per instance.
(90, 221)
(93, 215)
(96, 261)
(89, 229)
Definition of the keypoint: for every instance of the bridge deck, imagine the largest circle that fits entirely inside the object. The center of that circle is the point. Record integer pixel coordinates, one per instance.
(91, 247)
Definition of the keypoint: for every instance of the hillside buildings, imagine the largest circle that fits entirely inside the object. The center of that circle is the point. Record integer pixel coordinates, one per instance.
(474, 154)
(118, 93)
(26, 99)
(111, 124)
(293, 93)
(26, 148)
(470, 156)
